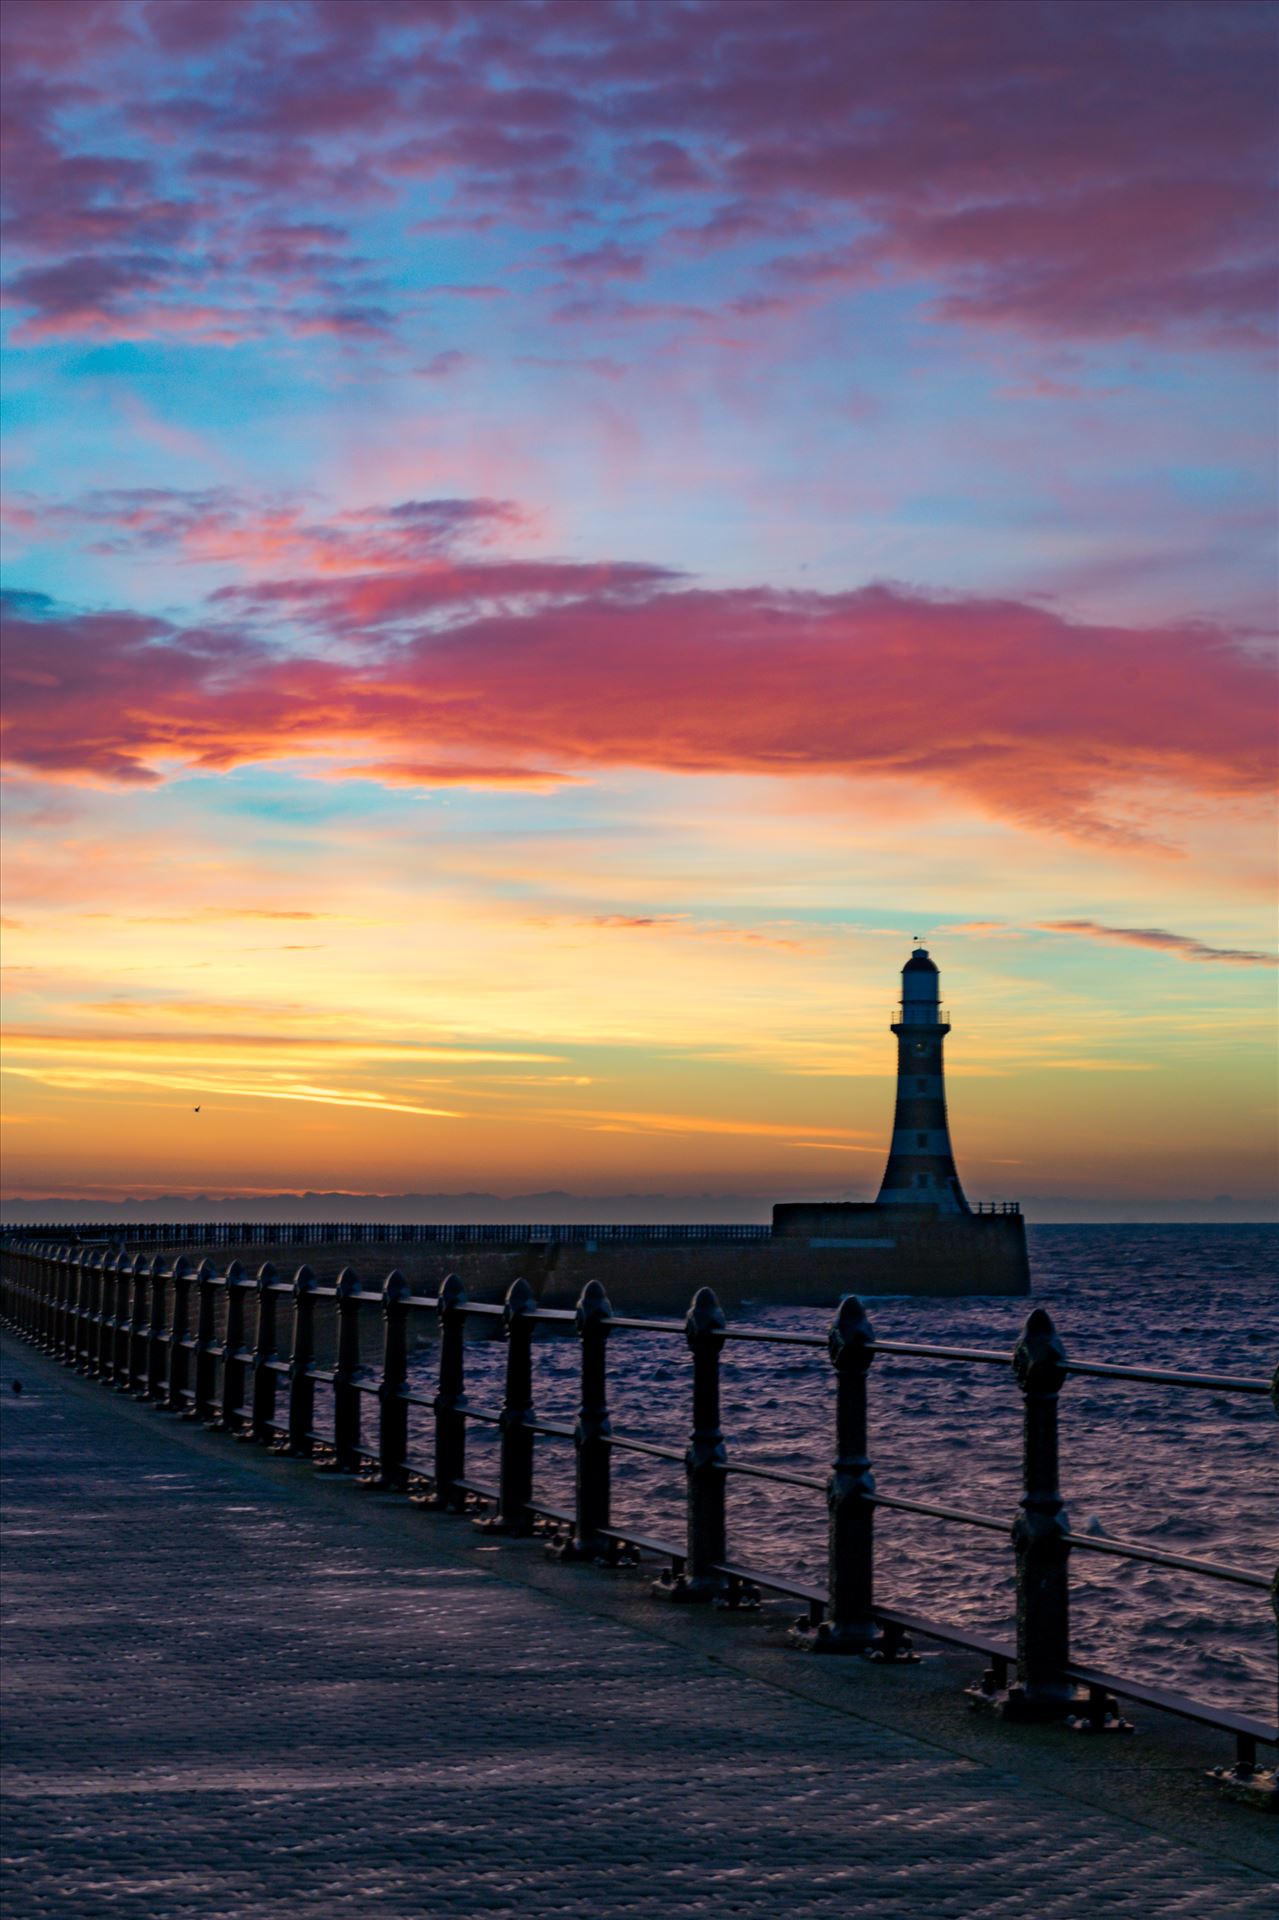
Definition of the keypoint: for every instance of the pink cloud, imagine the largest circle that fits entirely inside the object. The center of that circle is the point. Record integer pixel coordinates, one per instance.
(1180, 944)
(219, 525)
(545, 669)
(1075, 171)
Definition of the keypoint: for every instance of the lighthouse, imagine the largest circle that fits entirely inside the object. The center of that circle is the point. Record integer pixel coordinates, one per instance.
(921, 1165)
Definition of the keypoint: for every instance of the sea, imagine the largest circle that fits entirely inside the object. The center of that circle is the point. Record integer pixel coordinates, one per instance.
(1193, 1472)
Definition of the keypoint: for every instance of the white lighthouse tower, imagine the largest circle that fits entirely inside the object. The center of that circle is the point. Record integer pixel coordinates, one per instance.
(921, 1165)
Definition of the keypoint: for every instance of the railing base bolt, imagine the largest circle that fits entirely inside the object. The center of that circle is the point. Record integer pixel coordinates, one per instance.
(1102, 1715)
(1251, 1786)
(827, 1636)
(498, 1523)
(1015, 1704)
(683, 1590)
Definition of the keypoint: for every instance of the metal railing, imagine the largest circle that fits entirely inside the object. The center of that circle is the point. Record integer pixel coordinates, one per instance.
(180, 1338)
(313, 1233)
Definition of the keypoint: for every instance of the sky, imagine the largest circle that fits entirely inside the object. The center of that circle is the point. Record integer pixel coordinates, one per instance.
(547, 544)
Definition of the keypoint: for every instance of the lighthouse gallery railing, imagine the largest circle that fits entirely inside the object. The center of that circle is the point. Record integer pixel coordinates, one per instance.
(180, 1338)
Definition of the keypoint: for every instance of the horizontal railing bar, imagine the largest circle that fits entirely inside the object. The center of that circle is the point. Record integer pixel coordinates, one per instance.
(774, 1583)
(485, 1309)
(1169, 1702)
(627, 1537)
(480, 1492)
(644, 1326)
(485, 1415)
(979, 1355)
(947, 1636)
(543, 1512)
(641, 1446)
(960, 1515)
(787, 1479)
(777, 1339)
(1133, 1550)
(1159, 1376)
(553, 1427)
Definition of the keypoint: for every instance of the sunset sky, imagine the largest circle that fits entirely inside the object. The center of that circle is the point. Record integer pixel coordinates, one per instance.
(546, 542)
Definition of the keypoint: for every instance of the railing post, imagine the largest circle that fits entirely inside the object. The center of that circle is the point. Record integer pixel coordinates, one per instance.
(49, 1300)
(206, 1363)
(100, 1343)
(53, 1300)
(262, 1426)
(515, 1479)
(393, 1408)
(18, 1273)
(234, 1366)
(137, 1370)
(1041, 1691)
(157, 1333)
(704, 1463)
(301, 1361)
(83, 1351)
(104, 1312)
(345, 1457)
(850, 1626)
(70, 1306)
(102, 1265)
(122, 1333)
(39, 1296)
(175, 1400)
(592, 1432)
(26, 1293)
(449, 1406)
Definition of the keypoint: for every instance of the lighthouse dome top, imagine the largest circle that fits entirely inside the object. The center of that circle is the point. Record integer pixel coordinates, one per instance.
(919, 962)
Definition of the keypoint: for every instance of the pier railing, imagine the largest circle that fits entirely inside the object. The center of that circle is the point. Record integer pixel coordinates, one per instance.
(210, 1345)
(211, 1235)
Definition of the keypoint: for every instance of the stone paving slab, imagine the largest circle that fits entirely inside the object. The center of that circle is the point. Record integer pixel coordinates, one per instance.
(229, 1694)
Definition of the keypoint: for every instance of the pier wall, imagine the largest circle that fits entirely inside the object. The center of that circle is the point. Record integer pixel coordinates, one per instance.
(872, 1255)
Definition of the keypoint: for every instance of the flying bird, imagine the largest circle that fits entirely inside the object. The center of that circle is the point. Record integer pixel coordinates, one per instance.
(195, 1109)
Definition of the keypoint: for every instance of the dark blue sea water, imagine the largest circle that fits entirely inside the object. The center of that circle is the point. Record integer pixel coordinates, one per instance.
(1190, 1472)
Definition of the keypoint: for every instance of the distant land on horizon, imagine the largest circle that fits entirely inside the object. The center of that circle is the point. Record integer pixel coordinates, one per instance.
(555, 1206)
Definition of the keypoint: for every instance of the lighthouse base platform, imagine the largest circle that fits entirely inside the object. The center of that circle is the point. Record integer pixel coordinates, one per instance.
(903, 1249)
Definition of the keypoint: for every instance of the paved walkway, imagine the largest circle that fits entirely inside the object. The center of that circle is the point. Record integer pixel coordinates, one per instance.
(235, 1689)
